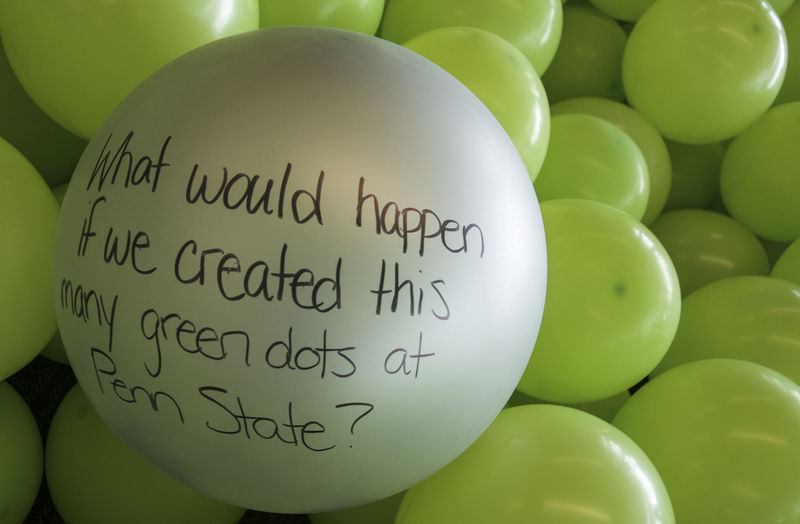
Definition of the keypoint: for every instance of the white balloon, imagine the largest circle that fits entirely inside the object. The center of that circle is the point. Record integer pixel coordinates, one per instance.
(300, 269)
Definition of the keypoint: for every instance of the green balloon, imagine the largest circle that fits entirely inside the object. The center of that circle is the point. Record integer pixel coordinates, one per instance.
(612, 304)
(28, 216)
(706, 246)
(51, 149)
(54, 350)
(94, 478)
(627, 10)
(759, 180)
(591, 158)
(500, 75)
(642, 132)
(534, 26)
(78, 60)
(542, 463)
(704, 70)
(787, 266)
(695, 175)
(790, 90)
(20, 457)
(380, 512)
(725, 437)
(750, 318)
(588, 61)
(356, 15)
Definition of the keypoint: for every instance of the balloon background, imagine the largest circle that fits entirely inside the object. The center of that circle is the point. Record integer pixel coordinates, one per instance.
(678, 374)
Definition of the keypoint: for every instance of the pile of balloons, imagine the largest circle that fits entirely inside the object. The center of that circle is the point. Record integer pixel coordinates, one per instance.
(662, 138)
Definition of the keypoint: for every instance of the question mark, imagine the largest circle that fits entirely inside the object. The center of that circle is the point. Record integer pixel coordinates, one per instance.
(369, 407)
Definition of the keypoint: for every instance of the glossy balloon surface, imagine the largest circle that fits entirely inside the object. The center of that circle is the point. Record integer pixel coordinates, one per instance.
(678, 71)
(118, 44)
(706, 246)
(759, 182)
(790, 89)
(787, 266)
(20, 456)
(612, 304)
(356, 15)
(642, 132)
(28, 215)
(93, 478)
(534, 26)
(588, 61)
(748, 318)
(51, 149)
(322, 260)
(591, 158)
(502, 77)
(542, 463)
(725, 437)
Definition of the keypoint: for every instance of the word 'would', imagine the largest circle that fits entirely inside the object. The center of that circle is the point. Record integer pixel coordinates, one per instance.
(256, 194)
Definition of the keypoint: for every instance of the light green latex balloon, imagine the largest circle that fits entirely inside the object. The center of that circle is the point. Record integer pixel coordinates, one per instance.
(787, 266)
(759, 180)
(54, 350)
(542, 463)
(642, 132)
(751, 318)
(28, 215)
(534, 26)
(94, 479)
(627, 10)
(725, 437)
(704, 70)
(356, 15)
(604, 409)
(588, 61)
(612, 304)
(500, 75)
(790, 89)
(695, 175)
(78, 60)
(51, 149)
(20, 457)
(706, 246)
(380, 512)
(589, 157)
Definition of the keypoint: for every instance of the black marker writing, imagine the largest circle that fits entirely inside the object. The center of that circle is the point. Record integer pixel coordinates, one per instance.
(135, 172)
(410, 222)
(233, 419)
(256, 194)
